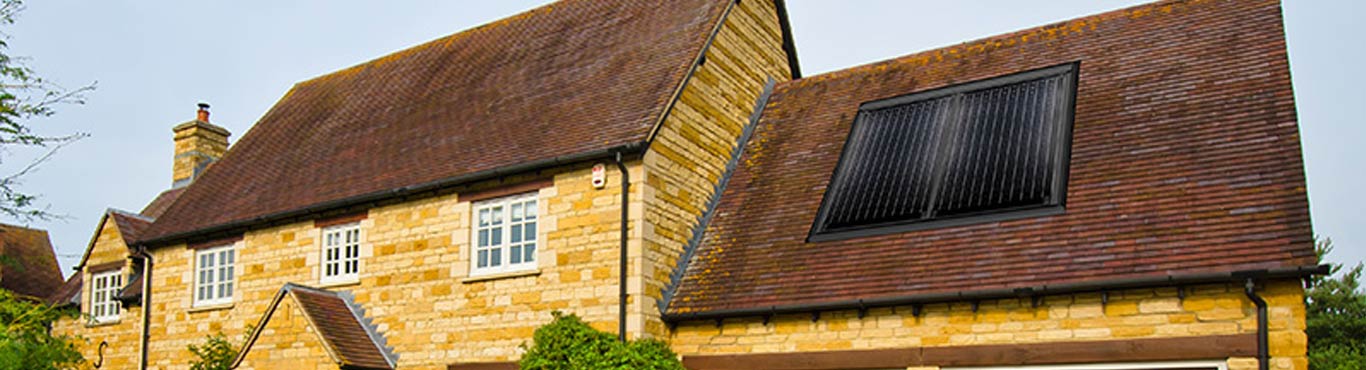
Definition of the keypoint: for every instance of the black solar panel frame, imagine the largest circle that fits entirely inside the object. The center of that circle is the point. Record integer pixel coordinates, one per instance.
(1062, 160)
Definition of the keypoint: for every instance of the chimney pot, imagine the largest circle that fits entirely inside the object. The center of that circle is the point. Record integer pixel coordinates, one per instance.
(203, 114)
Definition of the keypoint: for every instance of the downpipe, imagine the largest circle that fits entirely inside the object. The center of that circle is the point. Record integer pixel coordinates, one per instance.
(625, 221)
(1263, 353)
(146, 305)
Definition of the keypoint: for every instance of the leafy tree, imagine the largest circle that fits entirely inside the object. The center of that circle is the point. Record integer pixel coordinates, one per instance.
(567, 343)
(25, 96)
(1336, 317)
(217, 353)
(25, 339)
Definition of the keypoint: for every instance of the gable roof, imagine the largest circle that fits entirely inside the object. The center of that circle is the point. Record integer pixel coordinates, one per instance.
(130, 226)
(549, 85)
(29, 266)
(352, 341)
(1185, 163)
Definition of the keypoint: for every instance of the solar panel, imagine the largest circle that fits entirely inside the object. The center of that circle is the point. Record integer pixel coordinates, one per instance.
(982, 148)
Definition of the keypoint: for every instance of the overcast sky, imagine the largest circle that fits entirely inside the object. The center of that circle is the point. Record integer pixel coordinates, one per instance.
(154, 60)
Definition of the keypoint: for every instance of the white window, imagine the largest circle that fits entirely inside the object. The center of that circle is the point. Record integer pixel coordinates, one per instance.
(214, 275)
(104, 287)
(504, 237)
(341, 253)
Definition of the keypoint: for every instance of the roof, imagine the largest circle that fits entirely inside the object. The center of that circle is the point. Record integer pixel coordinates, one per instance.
(1185, 160)
(67, 294)
(163, 201)
(132, 292)
(338, 322)
(572, 77)
(28, 266)
(130, 226)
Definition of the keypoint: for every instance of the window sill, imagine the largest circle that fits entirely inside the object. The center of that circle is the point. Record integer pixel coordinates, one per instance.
(210, 307)
(339, 283)
(96, 324)
(501, 275)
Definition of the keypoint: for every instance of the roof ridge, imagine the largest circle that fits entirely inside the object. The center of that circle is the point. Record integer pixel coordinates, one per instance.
(982, 44)
(6, 224)
(424, 44)
(400, 98)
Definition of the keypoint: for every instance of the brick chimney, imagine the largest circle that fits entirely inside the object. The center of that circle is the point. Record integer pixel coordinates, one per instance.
(198, 143)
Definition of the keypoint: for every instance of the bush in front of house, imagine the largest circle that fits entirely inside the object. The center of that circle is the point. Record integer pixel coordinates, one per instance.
(568, 343)
(26, 342)
(216, 352)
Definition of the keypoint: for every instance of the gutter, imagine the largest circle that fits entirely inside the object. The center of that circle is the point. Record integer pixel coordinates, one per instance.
(863, 304)
(367, 200)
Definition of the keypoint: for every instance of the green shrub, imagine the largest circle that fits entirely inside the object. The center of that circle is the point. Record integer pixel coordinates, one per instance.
(567, 343)
(1336, 317)
(25, 340)
(217, 353)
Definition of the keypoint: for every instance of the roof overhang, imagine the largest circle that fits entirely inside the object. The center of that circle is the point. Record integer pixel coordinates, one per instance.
(367, 201)
(1031, 292)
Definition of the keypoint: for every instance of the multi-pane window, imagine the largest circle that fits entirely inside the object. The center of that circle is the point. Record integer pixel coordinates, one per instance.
(504, 237)
(991, 147)
(341, 253)
(214, 275)
(104, 289)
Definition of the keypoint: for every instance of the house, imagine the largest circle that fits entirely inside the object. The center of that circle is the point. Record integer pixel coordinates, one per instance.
(107, 288)
(28, 267)
(1118, 191)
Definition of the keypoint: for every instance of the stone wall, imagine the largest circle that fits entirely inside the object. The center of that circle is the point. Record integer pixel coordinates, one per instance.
(414, 279)
(1206, 310)
(120, 336)
(288, 341)
(692, 146)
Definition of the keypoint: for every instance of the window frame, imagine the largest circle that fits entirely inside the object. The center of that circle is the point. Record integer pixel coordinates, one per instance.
(505, 247)
(113, 309)
(216, 269)
(341, 277)
(818, 231)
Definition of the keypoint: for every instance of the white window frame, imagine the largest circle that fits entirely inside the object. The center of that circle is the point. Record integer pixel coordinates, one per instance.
(341, 245)
(220, 290)
(104, 290)
(500, 224)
